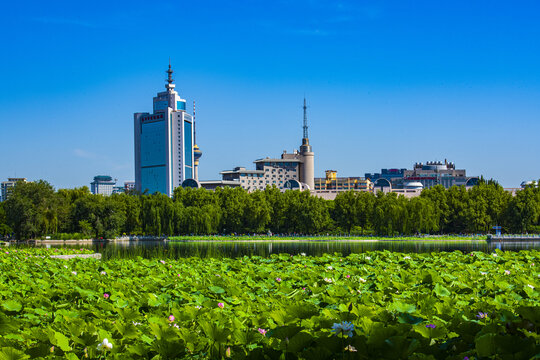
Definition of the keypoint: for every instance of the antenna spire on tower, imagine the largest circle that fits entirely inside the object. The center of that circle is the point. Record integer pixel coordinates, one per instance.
(305, 120)
(194, 126)
(170, 72)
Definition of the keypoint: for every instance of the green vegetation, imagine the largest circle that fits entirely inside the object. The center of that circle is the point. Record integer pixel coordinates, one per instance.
(364, 306)
(35, 210)
(28, 252)
(227, 238)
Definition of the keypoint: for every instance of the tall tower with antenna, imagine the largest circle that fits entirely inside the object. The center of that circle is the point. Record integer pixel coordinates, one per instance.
(305, 121)
(197, 153)
(164, 155)
(307, 167)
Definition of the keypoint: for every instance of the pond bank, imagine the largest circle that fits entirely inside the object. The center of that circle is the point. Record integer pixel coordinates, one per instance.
(73, 256)
(245, 239)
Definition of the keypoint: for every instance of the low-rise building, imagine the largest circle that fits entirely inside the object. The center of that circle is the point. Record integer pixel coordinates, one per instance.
(333, 182)
(118, 189)
(102, 185)
(439, 173)
(388, 174)
(427, 175)
(331, 185)
(268, 172)
(129, 186)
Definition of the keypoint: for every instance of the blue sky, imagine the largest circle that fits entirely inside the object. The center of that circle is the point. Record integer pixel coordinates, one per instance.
(388, 83)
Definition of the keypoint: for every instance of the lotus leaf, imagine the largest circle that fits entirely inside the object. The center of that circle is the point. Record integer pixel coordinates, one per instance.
(437, 305)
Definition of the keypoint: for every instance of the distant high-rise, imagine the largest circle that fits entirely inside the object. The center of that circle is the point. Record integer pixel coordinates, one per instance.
(7, 187)
(164, 143)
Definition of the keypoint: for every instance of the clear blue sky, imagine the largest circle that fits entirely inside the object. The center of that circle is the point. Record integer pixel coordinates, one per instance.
(388, 83)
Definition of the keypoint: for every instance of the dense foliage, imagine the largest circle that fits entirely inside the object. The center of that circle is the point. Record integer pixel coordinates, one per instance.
(365, 306)
(323, 237)
(36, 209)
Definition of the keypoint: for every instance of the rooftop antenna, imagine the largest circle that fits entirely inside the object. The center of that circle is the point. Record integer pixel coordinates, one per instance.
(169, 72)
(305, 120)
(194, 127)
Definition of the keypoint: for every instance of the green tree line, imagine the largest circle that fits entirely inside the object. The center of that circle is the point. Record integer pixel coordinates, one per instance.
(35, 210)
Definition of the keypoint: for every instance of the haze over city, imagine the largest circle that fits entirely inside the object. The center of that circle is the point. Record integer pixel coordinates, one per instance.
(387, 83)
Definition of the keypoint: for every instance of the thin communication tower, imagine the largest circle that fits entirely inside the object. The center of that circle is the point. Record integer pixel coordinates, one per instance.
(194, 126)
(305, 120)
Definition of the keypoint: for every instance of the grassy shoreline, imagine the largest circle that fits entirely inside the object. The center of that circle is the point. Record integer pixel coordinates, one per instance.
(246, 238)
(259, 238)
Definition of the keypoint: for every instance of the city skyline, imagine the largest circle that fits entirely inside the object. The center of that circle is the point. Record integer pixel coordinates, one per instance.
(388, 84)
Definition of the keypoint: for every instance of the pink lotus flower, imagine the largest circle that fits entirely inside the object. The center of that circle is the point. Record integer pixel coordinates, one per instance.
(221, 305)
(106, 296)
(482, 315)
(171, 318)
(278, 279)
(347, 276)
(262, 331)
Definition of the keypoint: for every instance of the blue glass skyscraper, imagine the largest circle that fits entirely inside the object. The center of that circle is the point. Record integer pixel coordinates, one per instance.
(164, 143)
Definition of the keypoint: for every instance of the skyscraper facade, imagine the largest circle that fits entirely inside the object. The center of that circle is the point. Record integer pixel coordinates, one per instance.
(164, 143)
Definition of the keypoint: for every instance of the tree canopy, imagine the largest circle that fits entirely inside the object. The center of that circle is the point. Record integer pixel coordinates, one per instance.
(36, 209)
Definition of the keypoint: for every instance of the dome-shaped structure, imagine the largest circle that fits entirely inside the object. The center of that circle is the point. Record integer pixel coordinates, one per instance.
(382, 182)
(191, 183)
(292, 184)
(414, 185)
(473, 181)
(197, 153)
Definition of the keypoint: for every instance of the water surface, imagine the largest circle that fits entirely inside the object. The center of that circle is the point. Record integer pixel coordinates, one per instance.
(180, 249)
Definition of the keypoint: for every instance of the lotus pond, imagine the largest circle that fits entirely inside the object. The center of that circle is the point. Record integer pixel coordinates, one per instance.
(373, 305)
